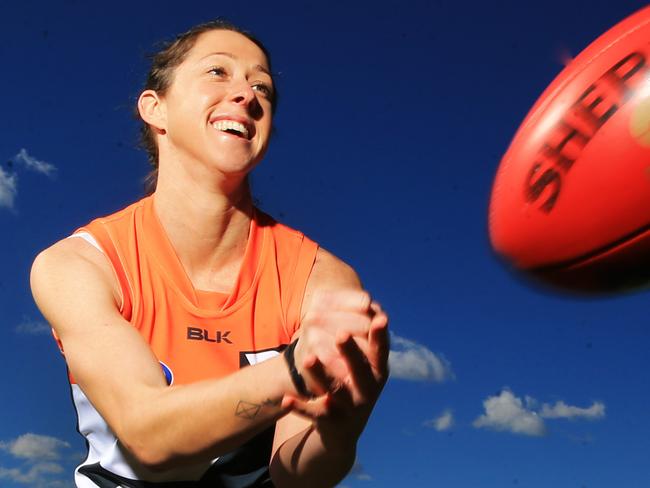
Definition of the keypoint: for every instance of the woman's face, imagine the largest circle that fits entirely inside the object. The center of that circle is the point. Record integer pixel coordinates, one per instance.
(218, 107)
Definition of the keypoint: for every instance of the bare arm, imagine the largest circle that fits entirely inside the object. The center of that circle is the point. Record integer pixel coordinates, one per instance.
(72, 285)
(316, 444)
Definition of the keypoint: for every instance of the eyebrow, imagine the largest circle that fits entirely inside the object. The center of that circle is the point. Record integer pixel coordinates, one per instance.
(258, 67)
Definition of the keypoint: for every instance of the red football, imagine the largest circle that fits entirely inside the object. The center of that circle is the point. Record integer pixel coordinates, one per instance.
(571, 199)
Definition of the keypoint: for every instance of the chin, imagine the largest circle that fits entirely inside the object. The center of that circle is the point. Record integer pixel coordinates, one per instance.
(234, 166)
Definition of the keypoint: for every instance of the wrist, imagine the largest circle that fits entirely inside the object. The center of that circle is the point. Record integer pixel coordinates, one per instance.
(297, 380)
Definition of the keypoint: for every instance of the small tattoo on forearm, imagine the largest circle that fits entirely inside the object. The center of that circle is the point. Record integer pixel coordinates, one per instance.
(249, 411)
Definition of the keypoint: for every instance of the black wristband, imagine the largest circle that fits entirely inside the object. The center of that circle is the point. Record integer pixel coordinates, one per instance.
(296, 377)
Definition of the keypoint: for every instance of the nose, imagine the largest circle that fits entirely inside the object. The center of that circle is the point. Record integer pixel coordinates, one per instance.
(242, 93)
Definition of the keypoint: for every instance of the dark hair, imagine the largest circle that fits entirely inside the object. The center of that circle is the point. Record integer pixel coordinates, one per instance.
(163, 63)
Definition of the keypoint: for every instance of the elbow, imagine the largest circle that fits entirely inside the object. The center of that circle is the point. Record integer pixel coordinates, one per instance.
(145, 453)
(146, 448)
(145, 434)
(156, 444)
(153, 449)
(157, 460)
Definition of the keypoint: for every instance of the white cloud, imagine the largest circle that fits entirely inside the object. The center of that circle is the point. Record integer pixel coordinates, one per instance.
(34, 164)
(444, 422)
(8, 189)
(33, 327)
(359, 473)
(505, 412)
(38, 453)
(562, 410)
(35, 447)
(60, 484)
(35, 475)
(9, 181)
(531, 403)
(412, 361)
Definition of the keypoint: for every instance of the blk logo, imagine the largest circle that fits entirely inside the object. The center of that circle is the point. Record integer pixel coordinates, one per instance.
(218, 336)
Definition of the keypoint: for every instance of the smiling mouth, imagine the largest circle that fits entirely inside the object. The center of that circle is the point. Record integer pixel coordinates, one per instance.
(231, 127)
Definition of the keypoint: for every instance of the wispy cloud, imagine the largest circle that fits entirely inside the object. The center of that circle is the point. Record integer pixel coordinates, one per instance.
(506, 412)
(36, 475)
(443, 422)
(409, 360)
(38, 453)
(33, 327)
(33, 164)
(8, 189)
(9, 179)
(35, 447)
(359, 473)
(563, 411)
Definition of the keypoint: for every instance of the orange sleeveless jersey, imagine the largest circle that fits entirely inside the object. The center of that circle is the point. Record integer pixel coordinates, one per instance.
(198, 334)
(195, 334)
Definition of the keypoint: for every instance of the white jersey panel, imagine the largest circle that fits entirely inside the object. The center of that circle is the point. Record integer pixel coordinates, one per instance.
(88, 238)
(105, 449)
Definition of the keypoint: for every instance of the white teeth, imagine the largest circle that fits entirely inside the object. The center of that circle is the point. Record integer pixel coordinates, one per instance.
(224, 125)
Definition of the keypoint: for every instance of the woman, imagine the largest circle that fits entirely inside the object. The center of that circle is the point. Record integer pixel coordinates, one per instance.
(172, 313)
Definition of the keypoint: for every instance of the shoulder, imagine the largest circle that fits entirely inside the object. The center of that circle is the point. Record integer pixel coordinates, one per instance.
(329, 273)
(75, 256)
(69, 251)
(71, 259)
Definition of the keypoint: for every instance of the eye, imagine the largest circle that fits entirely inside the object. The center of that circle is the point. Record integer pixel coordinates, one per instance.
(263, 88)
(217, 70)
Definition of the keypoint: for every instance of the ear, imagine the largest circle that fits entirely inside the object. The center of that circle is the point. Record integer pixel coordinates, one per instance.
(152, 110)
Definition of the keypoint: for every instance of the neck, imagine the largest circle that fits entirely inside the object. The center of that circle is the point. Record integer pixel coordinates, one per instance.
(207, 226)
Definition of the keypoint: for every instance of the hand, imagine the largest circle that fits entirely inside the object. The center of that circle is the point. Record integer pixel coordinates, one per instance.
(330, 311)
(342, 411)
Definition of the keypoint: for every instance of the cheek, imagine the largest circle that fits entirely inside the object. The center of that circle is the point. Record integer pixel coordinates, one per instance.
(191, 103)
(266, 126)
(264, 139)
(187, 118)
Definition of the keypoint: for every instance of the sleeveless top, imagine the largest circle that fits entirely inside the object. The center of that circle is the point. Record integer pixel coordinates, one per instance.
(195, 335)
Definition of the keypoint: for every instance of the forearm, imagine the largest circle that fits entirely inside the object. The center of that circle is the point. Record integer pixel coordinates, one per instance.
(306, 460)
(200, 421)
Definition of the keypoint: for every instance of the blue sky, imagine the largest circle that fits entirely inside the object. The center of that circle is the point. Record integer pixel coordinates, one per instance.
(392, 120)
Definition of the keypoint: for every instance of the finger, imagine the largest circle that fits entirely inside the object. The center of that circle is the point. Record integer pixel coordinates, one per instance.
(361, 372)
(379, 343)
(311, 409)
(318, 381)
(341, 402)
(375, 308)
(363, 344)
(378, 332)
(371, 351)
(357, 324)
(336, 366)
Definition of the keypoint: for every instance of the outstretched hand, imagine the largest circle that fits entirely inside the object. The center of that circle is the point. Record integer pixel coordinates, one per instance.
(343, 406)
(331, 311)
